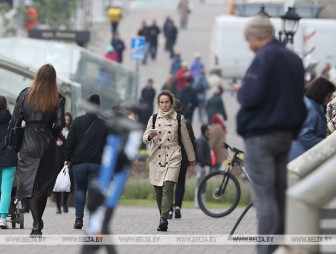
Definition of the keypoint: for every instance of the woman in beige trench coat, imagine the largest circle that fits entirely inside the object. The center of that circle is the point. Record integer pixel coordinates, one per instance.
(165, 155)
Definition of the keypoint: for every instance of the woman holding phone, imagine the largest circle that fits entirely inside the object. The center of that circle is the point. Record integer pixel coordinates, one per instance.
(165, 155)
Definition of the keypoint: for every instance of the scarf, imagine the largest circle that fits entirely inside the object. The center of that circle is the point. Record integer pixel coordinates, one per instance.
(168, 113)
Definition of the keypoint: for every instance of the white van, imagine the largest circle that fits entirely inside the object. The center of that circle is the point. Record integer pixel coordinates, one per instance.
(228, 43)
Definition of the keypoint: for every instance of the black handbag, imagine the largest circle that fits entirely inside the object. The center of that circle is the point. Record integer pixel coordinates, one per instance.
(16, 134)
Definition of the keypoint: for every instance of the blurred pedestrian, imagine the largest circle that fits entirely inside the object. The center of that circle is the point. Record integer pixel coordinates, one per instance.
(147, 100)
(165, 156)
(170, 85)
(37, 160)
(184, 10)
(218, 138)
(111, 54)
(171, 36)
(144, 32)
(318, 94)
(114, 14)
(83, 152)
(273, 86)
(203, 158)
(154, 32)
(8, 162)
(188, 99)
(61, 141)
(119, 46)
(180, 185)
(182, 76)
(197, 66)
(215, 105)
(200, 86)
(176, 64)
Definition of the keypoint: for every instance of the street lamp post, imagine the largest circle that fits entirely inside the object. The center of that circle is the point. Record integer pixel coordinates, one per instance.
(290, 23)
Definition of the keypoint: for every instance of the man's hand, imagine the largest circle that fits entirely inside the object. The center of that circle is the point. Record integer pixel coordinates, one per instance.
(192, 163)
(236, 87)
(67, 163)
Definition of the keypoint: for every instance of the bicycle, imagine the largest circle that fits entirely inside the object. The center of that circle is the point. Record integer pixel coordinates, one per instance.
(219, 192)
(121, 149)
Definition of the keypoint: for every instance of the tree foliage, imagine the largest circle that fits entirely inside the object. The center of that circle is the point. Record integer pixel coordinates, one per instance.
(56, 13)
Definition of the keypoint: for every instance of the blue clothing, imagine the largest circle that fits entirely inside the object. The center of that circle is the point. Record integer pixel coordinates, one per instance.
(6, 184)
(196, 67)
(84, 173)
(313, 130)
(175, 66)
(271, 96)
(200, 86)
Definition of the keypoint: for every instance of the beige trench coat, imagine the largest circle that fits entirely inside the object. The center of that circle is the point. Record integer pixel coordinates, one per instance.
(165, 155)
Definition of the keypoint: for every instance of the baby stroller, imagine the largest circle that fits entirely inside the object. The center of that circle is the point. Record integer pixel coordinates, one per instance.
(16, 211)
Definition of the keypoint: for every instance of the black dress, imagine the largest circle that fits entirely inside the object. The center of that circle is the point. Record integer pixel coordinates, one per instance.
(37, 158)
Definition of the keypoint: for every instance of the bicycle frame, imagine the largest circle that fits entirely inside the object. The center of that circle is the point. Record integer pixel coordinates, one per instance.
(237, 159)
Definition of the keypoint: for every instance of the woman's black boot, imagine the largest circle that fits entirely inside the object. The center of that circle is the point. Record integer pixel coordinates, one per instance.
(163, 226)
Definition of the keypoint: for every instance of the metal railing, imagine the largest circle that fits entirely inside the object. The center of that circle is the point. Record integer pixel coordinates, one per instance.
(312, 180)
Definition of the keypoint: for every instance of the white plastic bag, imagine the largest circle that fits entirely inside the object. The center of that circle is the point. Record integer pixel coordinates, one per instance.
(63, 182)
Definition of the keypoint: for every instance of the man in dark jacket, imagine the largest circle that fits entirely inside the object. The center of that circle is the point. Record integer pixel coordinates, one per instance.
(203, 157)
(83, 150)
(171, 36)
(144, 32)
(272, 112)
(154, 32)
(215, 105)
(119, 46)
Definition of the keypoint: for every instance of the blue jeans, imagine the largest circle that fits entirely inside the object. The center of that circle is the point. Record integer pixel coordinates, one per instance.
(266, 159)
(6, 184)
(84, 173)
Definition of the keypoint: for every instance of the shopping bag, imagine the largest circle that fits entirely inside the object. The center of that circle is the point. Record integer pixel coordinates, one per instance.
(63, 182)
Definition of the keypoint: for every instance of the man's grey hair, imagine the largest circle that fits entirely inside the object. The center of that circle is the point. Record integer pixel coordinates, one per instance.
(259, 27)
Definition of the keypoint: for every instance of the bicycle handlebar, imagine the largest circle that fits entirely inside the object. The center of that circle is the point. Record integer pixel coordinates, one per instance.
(233, 149)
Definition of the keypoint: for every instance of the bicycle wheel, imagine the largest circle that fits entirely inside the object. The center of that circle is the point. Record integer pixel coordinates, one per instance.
(218, 194)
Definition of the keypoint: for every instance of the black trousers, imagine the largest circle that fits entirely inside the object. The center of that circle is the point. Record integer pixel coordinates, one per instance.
(180, 186)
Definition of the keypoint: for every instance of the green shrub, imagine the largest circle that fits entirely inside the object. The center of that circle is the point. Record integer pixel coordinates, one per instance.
(138, 187)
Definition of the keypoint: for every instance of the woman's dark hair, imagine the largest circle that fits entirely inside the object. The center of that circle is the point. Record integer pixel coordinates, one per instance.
(3, 102)
(318, 89)
(70, 117)
(167, 93)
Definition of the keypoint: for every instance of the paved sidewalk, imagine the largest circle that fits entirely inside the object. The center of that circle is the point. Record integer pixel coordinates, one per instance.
(136, 220)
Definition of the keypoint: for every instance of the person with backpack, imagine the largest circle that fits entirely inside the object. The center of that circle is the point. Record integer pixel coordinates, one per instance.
(166, 131)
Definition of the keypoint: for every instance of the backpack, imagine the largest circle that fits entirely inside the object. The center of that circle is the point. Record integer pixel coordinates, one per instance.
(178, 126)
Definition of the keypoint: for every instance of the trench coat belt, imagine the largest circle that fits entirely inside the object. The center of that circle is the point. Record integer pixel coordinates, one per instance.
(163, 161)
(170, 145)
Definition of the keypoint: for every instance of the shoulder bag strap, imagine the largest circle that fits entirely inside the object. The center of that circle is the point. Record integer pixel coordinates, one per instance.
(88, 129)
(154, 120)
(20, 111)
(179, 129)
